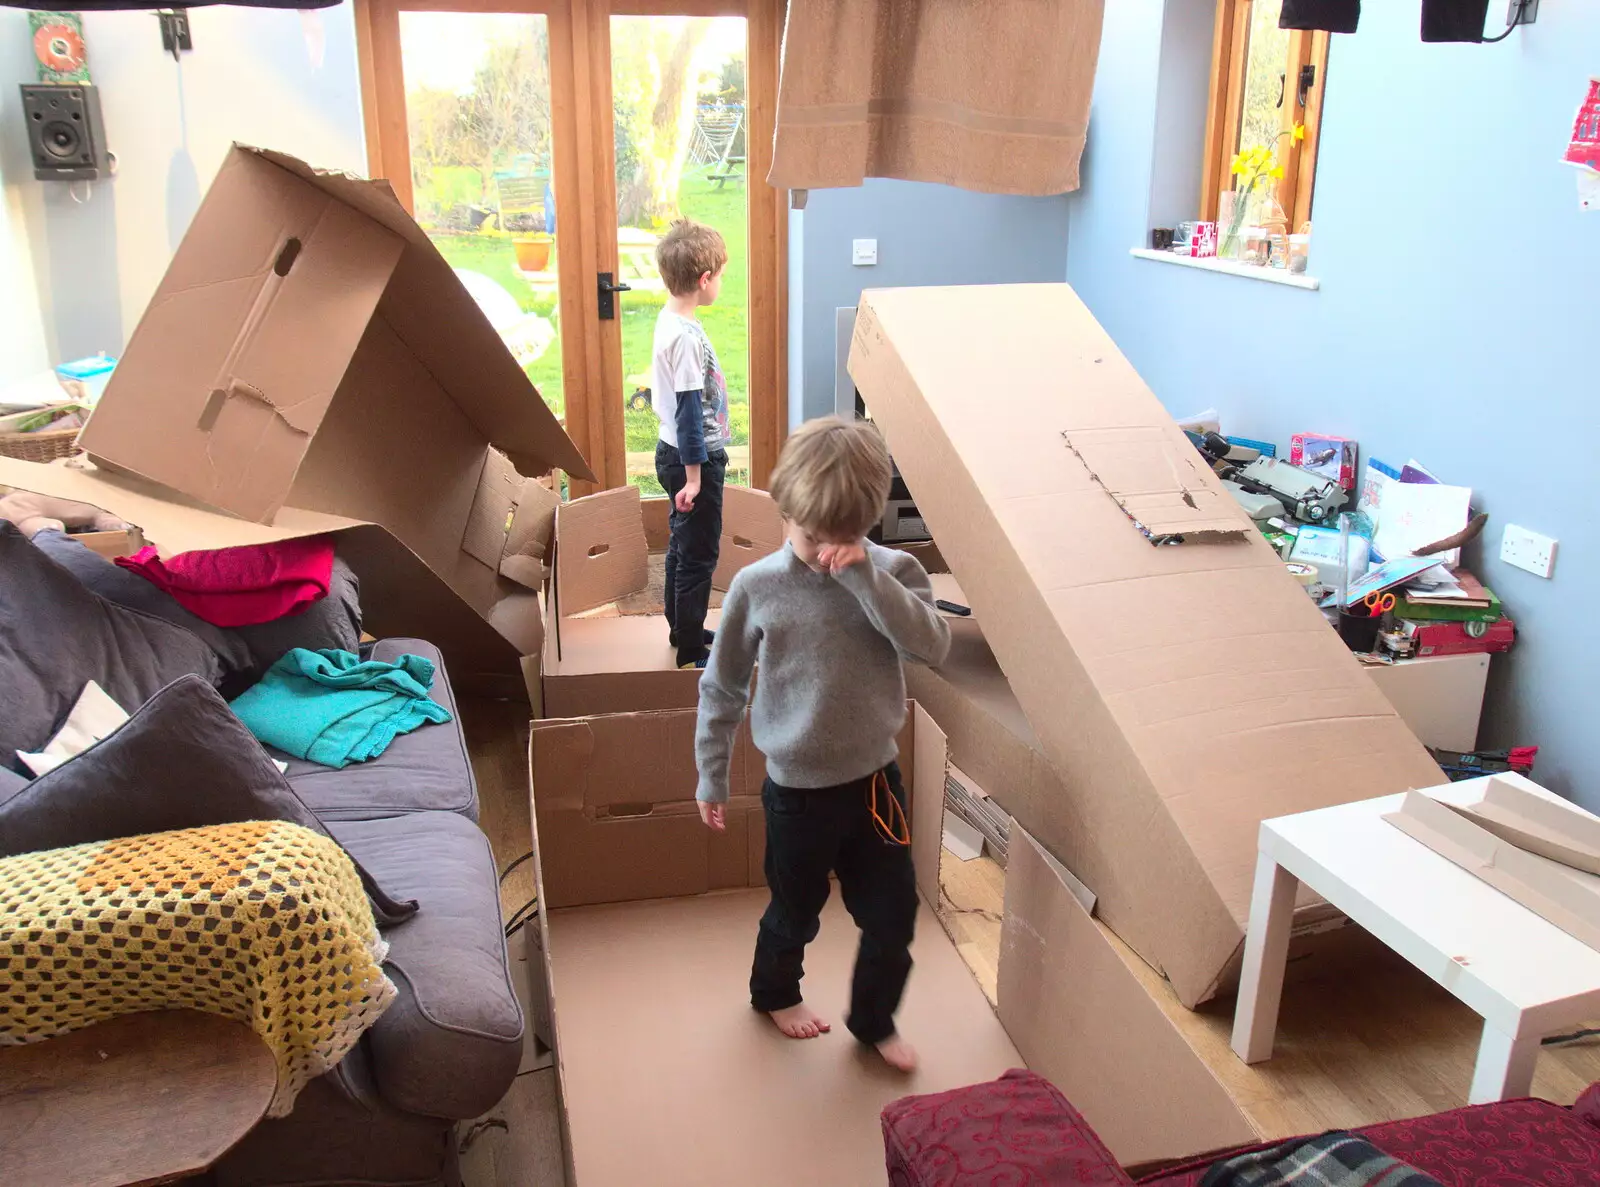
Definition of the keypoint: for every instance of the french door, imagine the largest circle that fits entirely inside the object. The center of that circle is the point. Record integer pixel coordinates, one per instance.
(545, 146)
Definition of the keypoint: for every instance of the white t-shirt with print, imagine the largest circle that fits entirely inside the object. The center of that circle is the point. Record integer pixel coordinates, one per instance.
(685, 361)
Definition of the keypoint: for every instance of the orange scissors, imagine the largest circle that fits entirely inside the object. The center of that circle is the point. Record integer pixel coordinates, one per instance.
(1379, 604)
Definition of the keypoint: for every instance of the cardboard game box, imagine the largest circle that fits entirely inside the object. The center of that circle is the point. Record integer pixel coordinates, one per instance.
(1333, 458)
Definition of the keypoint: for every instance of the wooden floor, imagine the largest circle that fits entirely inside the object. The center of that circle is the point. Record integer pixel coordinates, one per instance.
(517, 1143)
(1381, 1044)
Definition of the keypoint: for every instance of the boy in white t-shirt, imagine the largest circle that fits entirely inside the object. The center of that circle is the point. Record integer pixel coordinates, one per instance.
(690, 398)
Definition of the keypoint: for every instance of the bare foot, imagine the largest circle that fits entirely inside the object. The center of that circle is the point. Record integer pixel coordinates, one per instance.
(898, 1054)
(800, 1022)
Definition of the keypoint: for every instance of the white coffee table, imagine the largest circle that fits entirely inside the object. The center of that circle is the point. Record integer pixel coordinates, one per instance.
(1526, 977)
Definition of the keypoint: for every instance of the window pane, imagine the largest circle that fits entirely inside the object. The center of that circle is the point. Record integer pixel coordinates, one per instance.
(678, 98)
(1267, 89)
(478, 114)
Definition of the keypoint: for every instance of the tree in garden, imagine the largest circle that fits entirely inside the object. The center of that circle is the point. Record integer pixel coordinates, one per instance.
(656, 90)
(507, 112)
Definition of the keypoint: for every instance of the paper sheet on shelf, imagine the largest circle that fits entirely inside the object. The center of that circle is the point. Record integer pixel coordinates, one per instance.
(1417, 514)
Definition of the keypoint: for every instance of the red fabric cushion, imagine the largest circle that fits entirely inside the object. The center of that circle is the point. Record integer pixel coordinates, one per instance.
(1517, 1143)
(1017, 1131)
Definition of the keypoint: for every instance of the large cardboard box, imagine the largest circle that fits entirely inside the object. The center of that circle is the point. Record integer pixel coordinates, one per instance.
(652, 1028)
(1180, 684)
(623, 662)
(310, 352)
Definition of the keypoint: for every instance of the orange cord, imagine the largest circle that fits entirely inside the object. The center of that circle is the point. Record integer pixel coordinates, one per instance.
(886, 828)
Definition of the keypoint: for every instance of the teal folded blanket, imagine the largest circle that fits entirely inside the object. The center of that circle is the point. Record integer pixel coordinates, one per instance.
(334, 708)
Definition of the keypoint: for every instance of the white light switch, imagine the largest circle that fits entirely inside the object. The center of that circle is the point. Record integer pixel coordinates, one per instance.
(1528, 550)
(864, 252)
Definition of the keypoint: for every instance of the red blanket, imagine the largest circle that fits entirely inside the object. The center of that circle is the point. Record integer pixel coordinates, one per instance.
(242, 586)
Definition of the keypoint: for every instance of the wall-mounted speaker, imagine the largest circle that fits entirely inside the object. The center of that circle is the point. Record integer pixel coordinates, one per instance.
(65, 132)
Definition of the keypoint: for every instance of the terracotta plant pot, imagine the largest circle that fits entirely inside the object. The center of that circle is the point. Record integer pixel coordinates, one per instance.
(533, 253)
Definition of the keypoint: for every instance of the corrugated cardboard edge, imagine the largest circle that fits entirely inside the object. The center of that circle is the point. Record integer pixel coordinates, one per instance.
(1080, 1019)
(1557, 893)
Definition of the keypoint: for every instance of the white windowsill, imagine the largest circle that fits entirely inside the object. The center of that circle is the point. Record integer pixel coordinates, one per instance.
(1232, 268)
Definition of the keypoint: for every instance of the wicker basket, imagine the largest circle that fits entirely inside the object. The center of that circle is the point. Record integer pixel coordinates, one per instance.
(44, 446)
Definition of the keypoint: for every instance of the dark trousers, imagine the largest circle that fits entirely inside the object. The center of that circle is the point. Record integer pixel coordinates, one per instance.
(692, 548)
(810, 833)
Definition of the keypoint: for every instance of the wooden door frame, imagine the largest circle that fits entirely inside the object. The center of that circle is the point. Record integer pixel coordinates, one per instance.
(580, 84)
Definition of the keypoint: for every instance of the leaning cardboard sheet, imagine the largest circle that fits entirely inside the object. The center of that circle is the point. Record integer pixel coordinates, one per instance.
(310, 364)
(1179, 685)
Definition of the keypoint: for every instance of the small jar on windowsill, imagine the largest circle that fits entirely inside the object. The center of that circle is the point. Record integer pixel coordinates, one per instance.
(1299, 253)
(1255, 247)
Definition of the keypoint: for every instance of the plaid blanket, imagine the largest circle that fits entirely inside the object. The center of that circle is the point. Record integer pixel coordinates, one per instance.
(1331, 1160)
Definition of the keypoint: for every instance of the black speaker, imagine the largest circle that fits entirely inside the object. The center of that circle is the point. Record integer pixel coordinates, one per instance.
(65, 132)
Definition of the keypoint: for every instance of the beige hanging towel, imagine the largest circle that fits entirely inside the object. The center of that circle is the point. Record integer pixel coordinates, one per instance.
(989, 95)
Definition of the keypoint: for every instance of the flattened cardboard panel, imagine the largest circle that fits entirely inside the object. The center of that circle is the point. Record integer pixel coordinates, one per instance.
(1081, 1019)
(1151, 676)
(657, 514)
(751, 529)
(1514, 810)
(429, 307)
(660, 991)
(245, 342)
(927, 802)
(1154, 474)
(412, 465)
(601, 550)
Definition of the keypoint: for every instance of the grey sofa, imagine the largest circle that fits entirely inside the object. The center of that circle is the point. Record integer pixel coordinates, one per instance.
(448, 1048)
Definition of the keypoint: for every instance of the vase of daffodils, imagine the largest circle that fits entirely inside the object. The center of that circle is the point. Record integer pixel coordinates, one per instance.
(1255, 168)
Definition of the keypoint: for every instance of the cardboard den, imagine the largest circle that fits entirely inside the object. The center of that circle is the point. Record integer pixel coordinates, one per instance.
(1179, 682)
(599, 661)
(310, 352)
(667, 1077)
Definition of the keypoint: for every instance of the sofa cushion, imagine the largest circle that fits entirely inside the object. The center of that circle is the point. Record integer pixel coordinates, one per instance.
(332, 623)
(10, 784)
(183, 760)
(425, 770)
(56, 636)
(450, 1043)
(133, 592)
(1017, 1129)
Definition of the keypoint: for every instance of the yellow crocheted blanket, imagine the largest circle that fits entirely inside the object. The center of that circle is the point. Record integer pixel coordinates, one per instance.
(263, 922)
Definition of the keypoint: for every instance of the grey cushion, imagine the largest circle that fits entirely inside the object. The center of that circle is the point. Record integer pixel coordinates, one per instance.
(183, 760)
(332, 623)
(118, 585)
(450, 1044)
(10, 784)
(425, 770)
(56, 636)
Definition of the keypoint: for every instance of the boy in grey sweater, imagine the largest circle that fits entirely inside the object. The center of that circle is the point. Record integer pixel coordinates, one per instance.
(829, 618)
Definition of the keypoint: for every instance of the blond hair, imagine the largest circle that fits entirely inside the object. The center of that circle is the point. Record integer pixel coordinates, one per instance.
(833, 477)
(687, 252)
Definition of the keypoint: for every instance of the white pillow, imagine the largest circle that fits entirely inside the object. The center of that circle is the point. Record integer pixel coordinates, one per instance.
(94, 717)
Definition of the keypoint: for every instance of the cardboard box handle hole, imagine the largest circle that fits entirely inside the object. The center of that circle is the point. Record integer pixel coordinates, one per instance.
(600, 550)
(287, 257)
(741, 542)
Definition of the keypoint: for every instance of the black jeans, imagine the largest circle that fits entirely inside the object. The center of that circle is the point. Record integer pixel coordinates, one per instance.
(692, 547)
(810, 833)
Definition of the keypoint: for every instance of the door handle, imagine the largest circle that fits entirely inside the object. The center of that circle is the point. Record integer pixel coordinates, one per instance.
(609, 286)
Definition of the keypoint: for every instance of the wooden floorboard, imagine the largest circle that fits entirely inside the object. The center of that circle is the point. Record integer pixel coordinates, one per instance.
(1376, 1042)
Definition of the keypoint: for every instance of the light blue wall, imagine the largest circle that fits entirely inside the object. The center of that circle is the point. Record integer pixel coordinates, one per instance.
(267, 77)
(1456, 322)
(927, 235)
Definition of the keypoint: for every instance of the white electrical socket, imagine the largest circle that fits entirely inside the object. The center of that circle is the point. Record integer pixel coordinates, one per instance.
(864, 252)
(1528, 550)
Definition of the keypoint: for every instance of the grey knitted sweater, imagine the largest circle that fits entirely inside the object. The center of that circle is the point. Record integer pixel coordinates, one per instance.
(831, 696)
